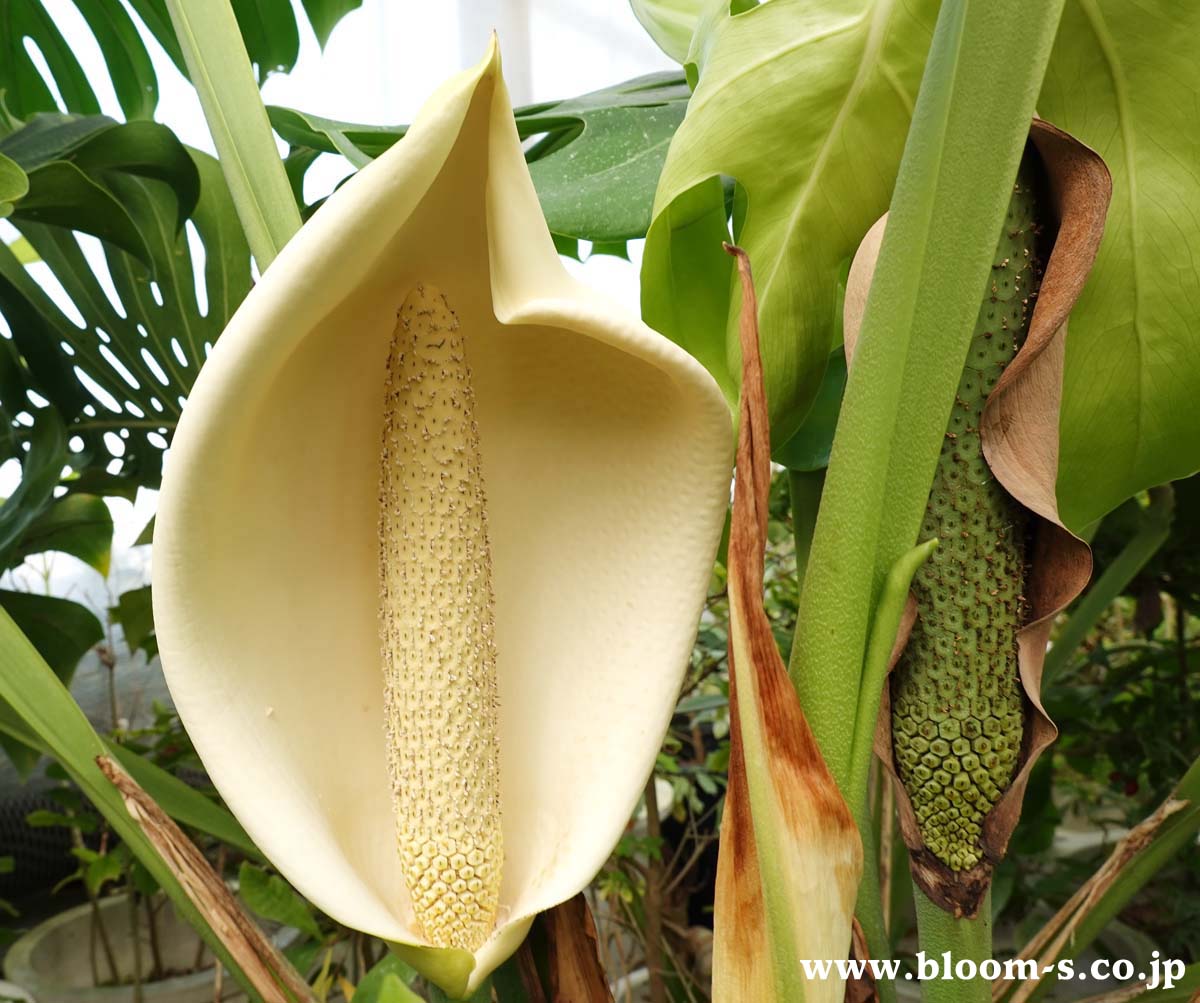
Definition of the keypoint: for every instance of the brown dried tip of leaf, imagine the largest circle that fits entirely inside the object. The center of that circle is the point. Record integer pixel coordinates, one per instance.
(268, 971)
(1019, 430)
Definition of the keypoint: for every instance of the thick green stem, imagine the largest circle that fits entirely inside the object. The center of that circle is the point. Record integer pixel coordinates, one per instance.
(220, 69)
(950, 942)
(969, 127)
(1153, 533)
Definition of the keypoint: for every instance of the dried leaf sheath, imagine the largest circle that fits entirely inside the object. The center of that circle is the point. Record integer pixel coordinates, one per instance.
(791, 858)
(437, 623)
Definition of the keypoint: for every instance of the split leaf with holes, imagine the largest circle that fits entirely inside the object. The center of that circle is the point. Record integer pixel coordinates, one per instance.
(595, 159)
(411, 437)
(117, 350)
(269, 28)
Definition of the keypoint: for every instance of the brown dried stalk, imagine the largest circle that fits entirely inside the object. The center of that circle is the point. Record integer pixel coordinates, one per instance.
(268, 971)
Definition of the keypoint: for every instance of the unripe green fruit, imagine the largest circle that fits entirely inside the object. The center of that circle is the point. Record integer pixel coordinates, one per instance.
(957, 701)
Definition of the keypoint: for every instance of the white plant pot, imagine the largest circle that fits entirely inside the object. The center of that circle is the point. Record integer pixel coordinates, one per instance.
(51, 961)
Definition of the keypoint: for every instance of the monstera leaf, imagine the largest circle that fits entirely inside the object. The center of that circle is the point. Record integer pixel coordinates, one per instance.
(117, 367)
(268, 26)
(595, 159)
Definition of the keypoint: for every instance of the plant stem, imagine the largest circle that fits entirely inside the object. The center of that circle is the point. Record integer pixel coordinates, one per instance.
(152, 927)
(960, 940)
(220, 69)
(653, 900)
(136, 943)
(1151, 535)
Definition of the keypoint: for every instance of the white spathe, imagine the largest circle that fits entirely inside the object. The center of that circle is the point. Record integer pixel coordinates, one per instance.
(606, 454)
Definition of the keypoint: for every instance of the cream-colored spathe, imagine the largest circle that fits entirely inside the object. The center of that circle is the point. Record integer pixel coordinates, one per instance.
(606, 452)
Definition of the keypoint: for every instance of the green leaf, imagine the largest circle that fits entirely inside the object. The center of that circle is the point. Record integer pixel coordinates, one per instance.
(41, 465)
(41, 701)
(75, 168)
(272, 898)
(1124, 80)
(218, 59)
(387, 982)
(77, 524)
(809, 448)
(185, 804)
(807, 106)
(325, 14)
(670, 23)
(13, 184)
(595, 162)
(597, 167)
(685, 278)
(50, 136)
(139, 359)
(359, 144)
(61, 630)
(135, 613)
(100, 869)
(43, 818)
(268, 26)
(25, 92)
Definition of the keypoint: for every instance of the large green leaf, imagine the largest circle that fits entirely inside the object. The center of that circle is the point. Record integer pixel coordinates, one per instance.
(1125, 79)
(806, 104)
(74, 167)
(61, 630)
(44, 707)
(77, 524)
(268, 26)
(127, 368)
(670, 23)
(595, 159)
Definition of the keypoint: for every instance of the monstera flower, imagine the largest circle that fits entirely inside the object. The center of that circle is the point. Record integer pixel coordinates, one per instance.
(432, 544)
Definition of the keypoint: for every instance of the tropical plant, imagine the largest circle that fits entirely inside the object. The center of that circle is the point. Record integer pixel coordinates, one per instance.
(961, 328)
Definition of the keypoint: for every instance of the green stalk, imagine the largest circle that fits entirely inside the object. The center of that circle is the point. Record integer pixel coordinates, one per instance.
(964, 940)
(1152, 534)
(220, 69)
